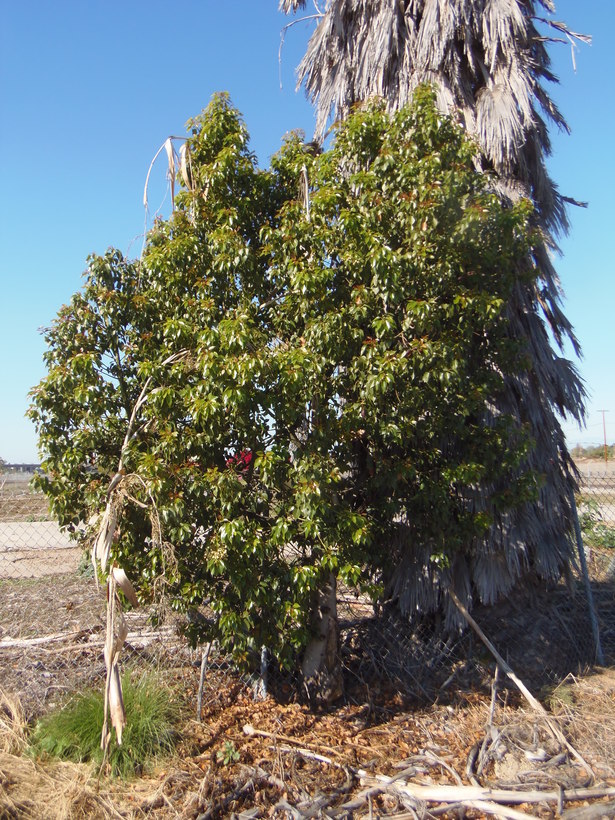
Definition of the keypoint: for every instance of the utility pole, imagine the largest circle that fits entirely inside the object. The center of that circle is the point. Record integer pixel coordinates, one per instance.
(606, 451)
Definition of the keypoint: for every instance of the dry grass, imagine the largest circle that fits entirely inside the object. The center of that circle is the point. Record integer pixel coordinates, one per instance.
(12, 724)
(63, 792)
(587, 705)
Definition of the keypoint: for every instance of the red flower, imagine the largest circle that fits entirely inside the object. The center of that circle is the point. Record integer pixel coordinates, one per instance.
(241, 461)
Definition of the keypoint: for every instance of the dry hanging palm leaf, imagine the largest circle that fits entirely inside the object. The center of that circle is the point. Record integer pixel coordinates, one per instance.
(185, 165)
(121, 579)
(168, 145)
(172, 164)
(291, 5)
(106, 532)
(117, 631)
(149, 171)
(304, 186)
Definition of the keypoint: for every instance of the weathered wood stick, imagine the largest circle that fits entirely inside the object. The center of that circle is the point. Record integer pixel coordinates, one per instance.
(518, 683)
(135, 638)
(22, 643)
(250, 731)
(453, 794)
(595, 812)
(557, 732)
(499, 811)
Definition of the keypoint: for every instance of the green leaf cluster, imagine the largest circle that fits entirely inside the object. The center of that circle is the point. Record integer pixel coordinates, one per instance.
(343, 318)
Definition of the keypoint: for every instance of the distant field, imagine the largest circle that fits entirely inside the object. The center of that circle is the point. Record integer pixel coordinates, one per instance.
(9, 478)
(594, 466)
(18, 502)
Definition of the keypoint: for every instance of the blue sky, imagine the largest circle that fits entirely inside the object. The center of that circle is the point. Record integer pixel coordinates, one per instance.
(89, 90)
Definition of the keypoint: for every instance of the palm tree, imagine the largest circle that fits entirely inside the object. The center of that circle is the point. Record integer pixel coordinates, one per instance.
(489, 64)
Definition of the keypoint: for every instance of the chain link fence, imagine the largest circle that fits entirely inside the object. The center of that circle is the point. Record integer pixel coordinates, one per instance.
(31, 544)
(53, 615)
(544, 634)
(52, 620)
(596, 508)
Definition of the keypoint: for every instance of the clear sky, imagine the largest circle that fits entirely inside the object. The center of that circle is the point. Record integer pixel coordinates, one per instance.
(89, 90)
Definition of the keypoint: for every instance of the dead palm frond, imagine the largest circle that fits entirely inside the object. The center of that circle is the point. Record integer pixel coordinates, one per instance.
(489, 64)
(487, 58)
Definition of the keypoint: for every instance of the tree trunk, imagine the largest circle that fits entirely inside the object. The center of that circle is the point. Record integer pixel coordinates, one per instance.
(321, 667)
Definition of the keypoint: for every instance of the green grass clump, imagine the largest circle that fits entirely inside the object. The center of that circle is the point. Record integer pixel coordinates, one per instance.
(558, 697)
(73, 733)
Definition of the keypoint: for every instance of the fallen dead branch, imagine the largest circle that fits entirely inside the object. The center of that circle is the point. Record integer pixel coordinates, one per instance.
(499, 811)
(308, 754)
(490, 801)
(139, 639)
(535, 704)
(595, 812)
(24, 643)
(250, 731)
(462, 794)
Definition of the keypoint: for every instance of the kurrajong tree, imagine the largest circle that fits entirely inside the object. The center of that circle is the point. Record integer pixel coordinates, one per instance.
(489, 63)
(319, 349)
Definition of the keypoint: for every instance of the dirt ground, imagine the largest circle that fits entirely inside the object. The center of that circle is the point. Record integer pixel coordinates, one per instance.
(378, 753)
(362, 759)
(365, 758)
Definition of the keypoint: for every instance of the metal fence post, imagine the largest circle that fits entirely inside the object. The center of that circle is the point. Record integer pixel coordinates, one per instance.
(586, 582)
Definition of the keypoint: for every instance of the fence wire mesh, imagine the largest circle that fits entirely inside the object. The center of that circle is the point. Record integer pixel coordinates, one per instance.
(52, 621)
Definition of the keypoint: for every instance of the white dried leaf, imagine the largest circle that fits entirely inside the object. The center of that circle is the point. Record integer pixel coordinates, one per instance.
(149, 171)
(116, 704)
(104, 539)
(304, 185)
(125, 585)
(168, 145)
(184, 165)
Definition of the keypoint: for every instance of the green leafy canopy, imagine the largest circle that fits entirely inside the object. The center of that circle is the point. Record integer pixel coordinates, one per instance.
(342, 349)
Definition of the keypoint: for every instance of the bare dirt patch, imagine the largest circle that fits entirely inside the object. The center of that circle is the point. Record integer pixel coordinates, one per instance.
(38, 562)
(35, 607)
